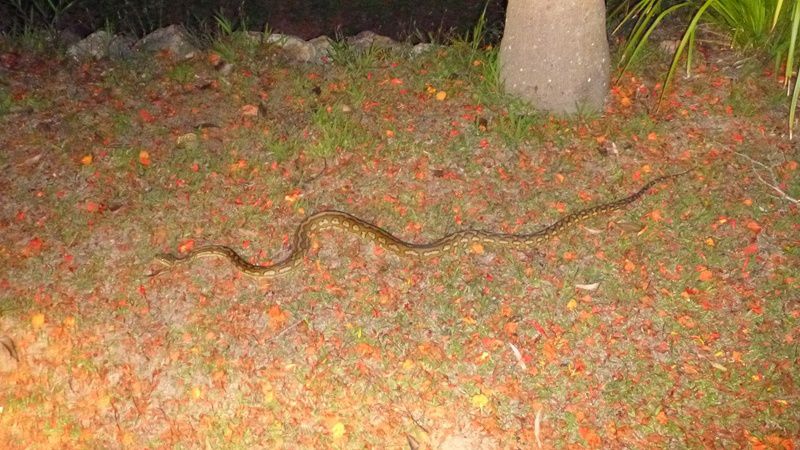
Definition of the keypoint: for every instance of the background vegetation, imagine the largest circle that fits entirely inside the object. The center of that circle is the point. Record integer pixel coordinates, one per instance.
(761, 28)
(305, 18)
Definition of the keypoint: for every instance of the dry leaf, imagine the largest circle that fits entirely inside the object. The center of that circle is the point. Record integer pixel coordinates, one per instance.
(32, 160)
(537, 427)
(754, 226)
(9, 359)
(719, 367)
(9, 345)
(629, 266)
(518, 356)
(144, 158)
(249, 110)
(588, 287)
(631, 227)
(592, 230)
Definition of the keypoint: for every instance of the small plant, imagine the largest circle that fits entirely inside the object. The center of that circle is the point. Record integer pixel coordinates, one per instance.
(354, 60)
(478, 32)
(334, 131)
(750, 24)
(182, 73)
(515, 128)
(230, 39)
(473, 40)
(281, 148)
(490, 70)
(224, 24)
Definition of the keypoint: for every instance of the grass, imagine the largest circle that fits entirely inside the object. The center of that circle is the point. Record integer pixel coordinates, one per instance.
(687, 339)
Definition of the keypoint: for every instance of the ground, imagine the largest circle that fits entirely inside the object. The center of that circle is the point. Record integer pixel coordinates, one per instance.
(672, 323)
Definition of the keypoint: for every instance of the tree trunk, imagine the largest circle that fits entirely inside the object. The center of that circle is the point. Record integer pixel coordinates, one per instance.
(554, 54)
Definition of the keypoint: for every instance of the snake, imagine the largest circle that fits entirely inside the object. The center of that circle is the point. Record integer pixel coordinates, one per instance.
(334, 219)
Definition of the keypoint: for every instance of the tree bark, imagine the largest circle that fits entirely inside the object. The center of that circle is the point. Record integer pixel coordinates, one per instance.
(554, 54)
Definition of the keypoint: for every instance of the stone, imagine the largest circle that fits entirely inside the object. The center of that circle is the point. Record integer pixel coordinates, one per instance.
(293, 48)
(367, 39)
(94, 46)
(173, 39)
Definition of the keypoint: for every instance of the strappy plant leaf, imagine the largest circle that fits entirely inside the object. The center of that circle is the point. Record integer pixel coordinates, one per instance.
(762, 25)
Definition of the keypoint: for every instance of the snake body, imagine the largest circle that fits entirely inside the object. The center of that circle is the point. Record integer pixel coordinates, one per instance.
(323, 220)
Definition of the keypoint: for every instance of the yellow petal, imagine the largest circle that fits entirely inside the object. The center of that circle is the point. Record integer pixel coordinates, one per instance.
(572, 304)
(37, 321)
(479, 400)
(197, 392)
(337, 430)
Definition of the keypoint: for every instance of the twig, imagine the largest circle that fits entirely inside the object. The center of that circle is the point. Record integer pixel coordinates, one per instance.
(285, 330)
(537, 427)
(314, 177)
(774, 186)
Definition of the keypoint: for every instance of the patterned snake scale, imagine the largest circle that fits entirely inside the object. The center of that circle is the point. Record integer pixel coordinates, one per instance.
(301, 243)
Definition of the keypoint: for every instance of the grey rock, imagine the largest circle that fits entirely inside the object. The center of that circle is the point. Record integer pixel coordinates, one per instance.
(293, 48)
(422, 48)
(173, 39)
(323, 45)
(121, 48)
(94, 46)
(367, 39)
(255, 37)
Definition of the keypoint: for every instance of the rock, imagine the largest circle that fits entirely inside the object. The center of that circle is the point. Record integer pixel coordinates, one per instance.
(173, 39)
(177, 41)
(293, 48)
(121, 48)
(422, 48)
(323, 47)
(251, 37)
(93, 46)
(366, 39)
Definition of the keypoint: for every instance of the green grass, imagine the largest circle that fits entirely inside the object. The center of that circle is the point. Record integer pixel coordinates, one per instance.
(182, 73)
(6, 102)
(357, 62)
(333, 131)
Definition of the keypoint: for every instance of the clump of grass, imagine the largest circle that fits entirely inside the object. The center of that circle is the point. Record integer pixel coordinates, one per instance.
(37, 13)
(762, 25)
(335, 131)
(357, 62)
(6, 101)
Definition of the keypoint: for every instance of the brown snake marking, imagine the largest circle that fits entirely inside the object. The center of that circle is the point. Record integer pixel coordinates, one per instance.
(324, 220)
